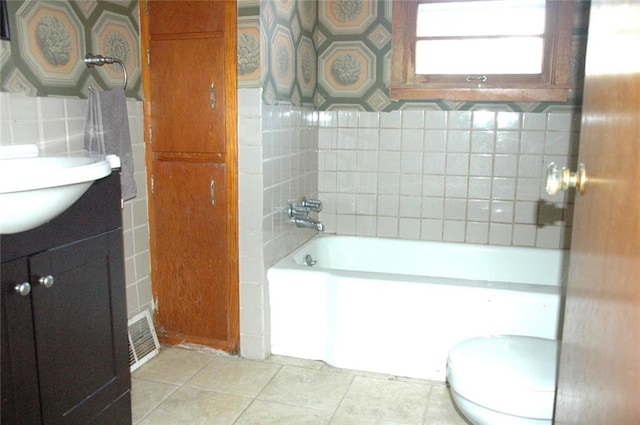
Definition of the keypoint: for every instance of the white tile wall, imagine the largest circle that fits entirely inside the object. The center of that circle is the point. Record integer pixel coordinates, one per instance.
(136, 217)
(57, 126)
(290, 170)
(278, 163)
(253, 301)
(475, 177)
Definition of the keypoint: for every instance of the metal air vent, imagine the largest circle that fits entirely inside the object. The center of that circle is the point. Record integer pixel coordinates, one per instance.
(143, 341)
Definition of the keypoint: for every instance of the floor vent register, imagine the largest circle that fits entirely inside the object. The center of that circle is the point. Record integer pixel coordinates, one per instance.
(143, 341)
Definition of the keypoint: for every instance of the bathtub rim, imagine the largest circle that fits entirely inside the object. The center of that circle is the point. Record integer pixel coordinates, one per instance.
(288, 263)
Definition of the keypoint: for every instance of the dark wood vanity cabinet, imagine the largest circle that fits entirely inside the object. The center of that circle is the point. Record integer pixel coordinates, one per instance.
(64, 340)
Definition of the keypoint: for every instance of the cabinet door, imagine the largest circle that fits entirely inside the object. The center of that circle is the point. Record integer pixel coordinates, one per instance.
(187, 92)
(20, 400)
(80, 328)
(191, 276)
(185, 17)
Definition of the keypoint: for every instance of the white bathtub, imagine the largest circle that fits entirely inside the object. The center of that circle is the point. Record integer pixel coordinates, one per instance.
(396, 306)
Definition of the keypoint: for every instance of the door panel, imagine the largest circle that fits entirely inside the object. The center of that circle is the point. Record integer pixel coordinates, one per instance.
(599, 370)
(191, 279)
(76, 383)
(19, 378)
(191, 117)
(187, 88)
(194, 17)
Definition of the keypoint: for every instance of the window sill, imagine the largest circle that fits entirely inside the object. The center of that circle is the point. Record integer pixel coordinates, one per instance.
(520, 94)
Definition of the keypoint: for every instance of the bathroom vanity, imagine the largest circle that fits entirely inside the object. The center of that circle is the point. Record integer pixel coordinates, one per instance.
(64, 321)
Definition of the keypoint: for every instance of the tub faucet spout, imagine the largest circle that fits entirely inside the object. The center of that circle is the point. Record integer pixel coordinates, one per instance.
(309, 223)
(299, 214)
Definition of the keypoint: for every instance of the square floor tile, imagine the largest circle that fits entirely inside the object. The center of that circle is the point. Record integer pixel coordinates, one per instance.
(191, 406)
(173, 365)
(147, 395)
(317, 389)
(440, 408)
(389, 400)
(234, 376)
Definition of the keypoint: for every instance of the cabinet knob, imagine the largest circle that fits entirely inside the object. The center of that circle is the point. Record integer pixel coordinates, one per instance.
(46, 281)
(23, 288)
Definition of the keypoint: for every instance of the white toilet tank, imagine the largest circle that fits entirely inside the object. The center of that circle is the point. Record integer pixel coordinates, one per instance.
(513, 375)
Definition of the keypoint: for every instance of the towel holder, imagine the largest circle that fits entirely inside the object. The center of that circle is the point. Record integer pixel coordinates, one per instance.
(91, 60)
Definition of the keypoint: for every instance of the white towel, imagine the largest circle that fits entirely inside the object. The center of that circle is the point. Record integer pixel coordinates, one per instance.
(106, 132)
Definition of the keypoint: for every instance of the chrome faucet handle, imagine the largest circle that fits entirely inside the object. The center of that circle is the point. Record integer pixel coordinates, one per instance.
(312, 204)
(297, 211)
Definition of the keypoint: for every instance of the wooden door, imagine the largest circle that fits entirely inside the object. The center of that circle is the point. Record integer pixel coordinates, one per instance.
(192, 253)
(187, 82)
(191, 118)
(599, 369)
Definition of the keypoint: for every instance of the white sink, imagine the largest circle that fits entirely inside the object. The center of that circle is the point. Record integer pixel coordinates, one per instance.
(33, 191)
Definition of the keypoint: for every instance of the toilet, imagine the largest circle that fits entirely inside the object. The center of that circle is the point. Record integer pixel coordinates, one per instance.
(504, 380)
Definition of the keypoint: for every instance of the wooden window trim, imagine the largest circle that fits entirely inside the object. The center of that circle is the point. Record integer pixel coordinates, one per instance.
(552, 85)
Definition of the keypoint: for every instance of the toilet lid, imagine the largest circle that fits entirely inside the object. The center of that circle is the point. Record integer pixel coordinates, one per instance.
(499, 371)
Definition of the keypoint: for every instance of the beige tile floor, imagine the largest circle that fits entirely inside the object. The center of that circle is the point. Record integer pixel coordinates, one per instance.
(181, 386)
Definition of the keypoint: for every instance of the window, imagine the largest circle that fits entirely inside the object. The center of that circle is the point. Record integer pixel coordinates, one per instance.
(491, 50)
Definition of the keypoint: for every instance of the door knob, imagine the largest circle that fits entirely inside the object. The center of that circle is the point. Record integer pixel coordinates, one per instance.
(564, 179)
(46, 281)
(23, 288)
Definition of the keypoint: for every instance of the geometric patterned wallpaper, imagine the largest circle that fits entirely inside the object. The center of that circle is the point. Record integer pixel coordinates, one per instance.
(49, 40)
(354, 51)
(276, 49)
(336, 54)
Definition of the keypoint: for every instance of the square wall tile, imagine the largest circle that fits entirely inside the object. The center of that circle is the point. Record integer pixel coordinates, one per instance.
(391, 119)
(369, 119)
(412, 140)
(454, 231)
(431, 229)
(366, 225)
(477, 232)
(459, 120)
(387, 227)
(483, 120)
(346, 224)
(409, 228)
(412, 119)
(390, 139)
(435, 119)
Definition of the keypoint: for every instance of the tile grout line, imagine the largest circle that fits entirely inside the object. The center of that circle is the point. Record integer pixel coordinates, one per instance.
(423, 418)
(335, 411)
(255, 397)
(175, 389)
(177, 386)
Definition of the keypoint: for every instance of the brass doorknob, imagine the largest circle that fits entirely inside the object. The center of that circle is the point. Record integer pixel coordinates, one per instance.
(564, 179)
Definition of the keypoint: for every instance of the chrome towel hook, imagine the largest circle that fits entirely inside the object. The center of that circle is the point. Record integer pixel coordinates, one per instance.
(91, 60)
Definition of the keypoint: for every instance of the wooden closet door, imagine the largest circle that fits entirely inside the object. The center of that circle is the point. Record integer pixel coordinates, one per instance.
(186, 16)
(191, 280)
(188, 102)
(191, 139)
